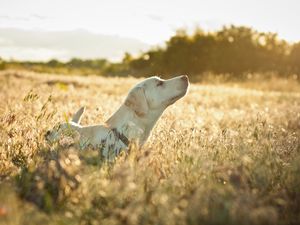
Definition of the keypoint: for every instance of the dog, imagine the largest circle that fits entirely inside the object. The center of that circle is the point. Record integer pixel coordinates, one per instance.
(133, 121)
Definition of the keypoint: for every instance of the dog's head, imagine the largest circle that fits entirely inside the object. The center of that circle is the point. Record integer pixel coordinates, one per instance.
(66, 128)
(156, 94)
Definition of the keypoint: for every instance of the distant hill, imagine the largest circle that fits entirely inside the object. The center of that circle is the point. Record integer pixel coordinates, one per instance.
(44, 45)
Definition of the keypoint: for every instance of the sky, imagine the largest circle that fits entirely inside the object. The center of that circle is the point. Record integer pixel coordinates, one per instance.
(149, 22)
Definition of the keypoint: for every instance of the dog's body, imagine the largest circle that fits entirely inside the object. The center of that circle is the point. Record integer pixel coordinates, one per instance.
(134, 119)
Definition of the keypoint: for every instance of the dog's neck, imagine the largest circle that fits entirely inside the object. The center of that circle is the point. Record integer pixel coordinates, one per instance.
(125, 115)
(91, 131)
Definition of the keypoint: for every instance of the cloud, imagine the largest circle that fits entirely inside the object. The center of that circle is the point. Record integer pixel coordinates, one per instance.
(26, 18)
(39, 17)
(63, 45)
(14, 18)
(155, 17)
(34, 53)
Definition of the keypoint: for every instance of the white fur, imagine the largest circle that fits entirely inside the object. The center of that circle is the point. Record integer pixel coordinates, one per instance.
(134, 119)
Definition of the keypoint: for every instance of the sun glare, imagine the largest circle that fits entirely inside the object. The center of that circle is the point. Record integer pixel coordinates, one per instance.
(151, 23)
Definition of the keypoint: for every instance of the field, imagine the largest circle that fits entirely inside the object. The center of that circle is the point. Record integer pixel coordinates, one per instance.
(225, 154)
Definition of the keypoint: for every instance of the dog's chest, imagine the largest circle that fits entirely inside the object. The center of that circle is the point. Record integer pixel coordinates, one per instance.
(110, 145)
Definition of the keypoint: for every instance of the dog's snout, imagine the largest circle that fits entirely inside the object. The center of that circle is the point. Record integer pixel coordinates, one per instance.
(185, 80)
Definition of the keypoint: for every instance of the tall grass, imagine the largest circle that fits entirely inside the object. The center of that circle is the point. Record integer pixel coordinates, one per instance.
(222, 155)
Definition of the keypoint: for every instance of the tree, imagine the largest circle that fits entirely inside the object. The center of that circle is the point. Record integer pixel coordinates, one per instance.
(294, 58)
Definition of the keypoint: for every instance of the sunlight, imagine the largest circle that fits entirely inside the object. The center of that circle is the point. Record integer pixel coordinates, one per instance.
(151, 23)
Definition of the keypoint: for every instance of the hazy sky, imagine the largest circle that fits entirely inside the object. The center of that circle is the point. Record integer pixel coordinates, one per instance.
(152, 21)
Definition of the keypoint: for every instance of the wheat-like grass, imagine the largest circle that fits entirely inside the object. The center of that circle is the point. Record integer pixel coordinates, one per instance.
(224, 154)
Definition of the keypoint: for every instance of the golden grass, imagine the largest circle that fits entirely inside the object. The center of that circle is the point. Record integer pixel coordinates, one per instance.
(225, 154)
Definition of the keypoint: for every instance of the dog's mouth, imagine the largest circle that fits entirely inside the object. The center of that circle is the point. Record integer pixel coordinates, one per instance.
(175, 98)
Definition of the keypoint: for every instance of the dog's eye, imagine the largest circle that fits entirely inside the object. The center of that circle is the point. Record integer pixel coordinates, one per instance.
(159, 83)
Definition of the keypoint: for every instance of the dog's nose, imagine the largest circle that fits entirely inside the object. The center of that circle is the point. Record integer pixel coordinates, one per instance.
(184, 77)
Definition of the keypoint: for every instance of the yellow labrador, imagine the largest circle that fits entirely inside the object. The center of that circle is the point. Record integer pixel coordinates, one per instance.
(134, 119)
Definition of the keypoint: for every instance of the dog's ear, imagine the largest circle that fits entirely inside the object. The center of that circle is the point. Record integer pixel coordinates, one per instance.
(77, 116)
(136, 100)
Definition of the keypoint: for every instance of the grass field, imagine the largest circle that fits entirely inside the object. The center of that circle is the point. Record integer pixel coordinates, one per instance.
(225, 154)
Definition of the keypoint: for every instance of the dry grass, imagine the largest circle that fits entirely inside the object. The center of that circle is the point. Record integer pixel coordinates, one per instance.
(222, 155)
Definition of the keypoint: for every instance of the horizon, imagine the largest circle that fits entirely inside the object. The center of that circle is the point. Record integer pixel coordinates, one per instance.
(141, 23)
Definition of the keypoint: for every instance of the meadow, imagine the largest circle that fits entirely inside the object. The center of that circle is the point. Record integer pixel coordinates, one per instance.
(227, 153)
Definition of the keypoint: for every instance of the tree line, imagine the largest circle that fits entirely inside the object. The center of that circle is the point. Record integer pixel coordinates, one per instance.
(233, 50)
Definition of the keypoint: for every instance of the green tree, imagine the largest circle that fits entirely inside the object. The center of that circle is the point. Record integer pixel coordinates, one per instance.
(294, 58)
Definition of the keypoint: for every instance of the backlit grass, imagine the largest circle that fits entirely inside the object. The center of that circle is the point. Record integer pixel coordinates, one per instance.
(225, 154)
